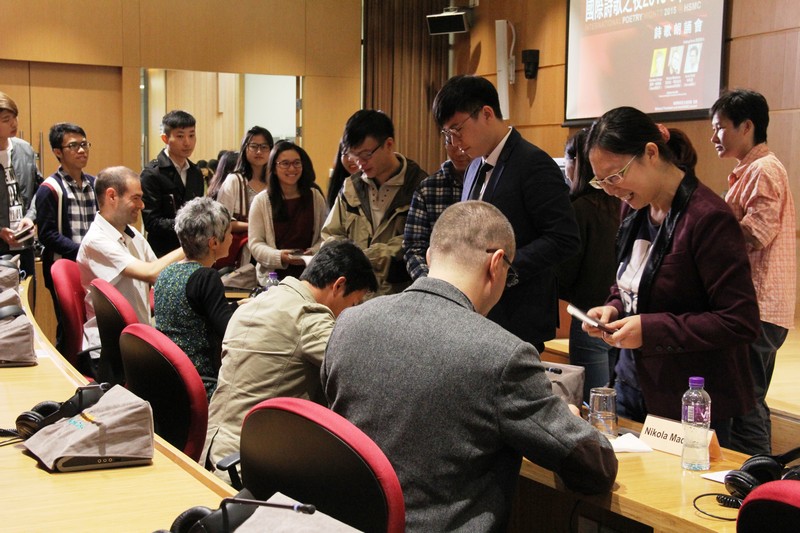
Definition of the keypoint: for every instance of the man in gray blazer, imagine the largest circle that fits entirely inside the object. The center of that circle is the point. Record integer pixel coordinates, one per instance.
(453, 399)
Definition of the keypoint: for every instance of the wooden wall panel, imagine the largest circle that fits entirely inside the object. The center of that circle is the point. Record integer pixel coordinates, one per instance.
(327, 104)
(769, 62)
(64, 31)
(753, 17)
(16, 84)
(330, 46)
(247, 36)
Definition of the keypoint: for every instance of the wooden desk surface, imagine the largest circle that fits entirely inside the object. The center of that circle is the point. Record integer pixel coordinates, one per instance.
(653, 489)
(137, 499)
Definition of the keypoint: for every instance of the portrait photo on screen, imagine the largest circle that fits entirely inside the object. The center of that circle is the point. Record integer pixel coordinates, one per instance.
(664, 58)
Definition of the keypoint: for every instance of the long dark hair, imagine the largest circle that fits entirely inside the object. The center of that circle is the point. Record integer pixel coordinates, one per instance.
(243, 166)
(575, 150)
(339, 174)
(304, 184)
(225, 166)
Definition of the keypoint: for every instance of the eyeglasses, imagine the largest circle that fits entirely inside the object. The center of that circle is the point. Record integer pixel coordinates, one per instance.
(255, 147)
(74, 146)
(613, 179)
(364, 155)
(285, 164)
(512, 278)
(455, 131)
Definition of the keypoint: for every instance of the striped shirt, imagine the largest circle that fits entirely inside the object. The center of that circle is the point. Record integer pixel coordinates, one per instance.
(761, 199)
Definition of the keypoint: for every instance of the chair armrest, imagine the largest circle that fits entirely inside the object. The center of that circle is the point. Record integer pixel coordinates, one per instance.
(87, 366)
(228, 464)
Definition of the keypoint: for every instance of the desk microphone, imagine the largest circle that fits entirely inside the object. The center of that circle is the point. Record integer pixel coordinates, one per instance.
(205, 520)
(303, 508)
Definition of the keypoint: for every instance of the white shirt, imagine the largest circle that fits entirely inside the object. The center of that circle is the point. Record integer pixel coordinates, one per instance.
(492, 160)
(104, 254)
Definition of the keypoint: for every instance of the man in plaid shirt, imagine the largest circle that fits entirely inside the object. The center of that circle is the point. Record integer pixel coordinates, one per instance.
(761, 199)
(65, 204)
(435, 194)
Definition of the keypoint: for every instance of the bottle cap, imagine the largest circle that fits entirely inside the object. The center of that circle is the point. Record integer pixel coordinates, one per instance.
(696, 381)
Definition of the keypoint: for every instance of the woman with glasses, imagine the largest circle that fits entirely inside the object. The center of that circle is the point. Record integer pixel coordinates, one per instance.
(343, 168)
(286, 219)
(584, 279)
(683, 303)
(248, 178)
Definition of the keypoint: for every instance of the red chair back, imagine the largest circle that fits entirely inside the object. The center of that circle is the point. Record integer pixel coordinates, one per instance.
(70, 296)
(113, 313)
(158, 371)
(309, 453)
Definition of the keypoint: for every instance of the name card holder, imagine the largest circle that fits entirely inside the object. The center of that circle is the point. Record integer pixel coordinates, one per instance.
(666, 435)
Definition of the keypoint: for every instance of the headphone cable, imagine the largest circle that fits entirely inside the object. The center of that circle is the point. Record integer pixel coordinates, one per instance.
(722, 499)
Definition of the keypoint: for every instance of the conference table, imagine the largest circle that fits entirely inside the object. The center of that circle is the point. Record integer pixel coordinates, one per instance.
(137, 499)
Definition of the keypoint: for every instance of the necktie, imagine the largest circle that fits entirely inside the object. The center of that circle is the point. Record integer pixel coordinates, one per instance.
(480, 179)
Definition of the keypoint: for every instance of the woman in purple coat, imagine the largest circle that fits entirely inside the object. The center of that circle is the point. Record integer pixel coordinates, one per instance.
(683, 303)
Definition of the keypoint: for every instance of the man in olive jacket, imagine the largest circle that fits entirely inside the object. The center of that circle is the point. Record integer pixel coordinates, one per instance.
(372, 206)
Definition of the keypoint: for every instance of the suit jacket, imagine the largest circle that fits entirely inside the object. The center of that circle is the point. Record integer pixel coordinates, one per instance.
(529, 189)
(455, 401)
(697, 303)
(163, 194)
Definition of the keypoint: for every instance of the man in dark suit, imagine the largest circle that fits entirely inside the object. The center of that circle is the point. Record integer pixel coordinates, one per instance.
(453, 399)
(527, 186)
(169, 181)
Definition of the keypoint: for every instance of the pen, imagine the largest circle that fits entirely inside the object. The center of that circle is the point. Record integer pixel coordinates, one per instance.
(553, 370)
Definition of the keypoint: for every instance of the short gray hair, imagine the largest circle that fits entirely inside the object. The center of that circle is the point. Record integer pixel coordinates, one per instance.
(199, 220)
(465, 230)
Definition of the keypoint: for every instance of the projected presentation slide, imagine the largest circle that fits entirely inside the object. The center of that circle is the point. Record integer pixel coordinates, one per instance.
(660, 56)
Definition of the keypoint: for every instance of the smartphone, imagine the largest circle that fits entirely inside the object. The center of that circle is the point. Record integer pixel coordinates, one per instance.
(583, 317)
(24, 234)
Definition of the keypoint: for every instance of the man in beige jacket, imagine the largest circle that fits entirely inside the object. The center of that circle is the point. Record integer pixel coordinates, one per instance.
(274, 345)
(372, 206)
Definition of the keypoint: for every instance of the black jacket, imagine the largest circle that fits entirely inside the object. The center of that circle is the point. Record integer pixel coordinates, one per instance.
(164, 194)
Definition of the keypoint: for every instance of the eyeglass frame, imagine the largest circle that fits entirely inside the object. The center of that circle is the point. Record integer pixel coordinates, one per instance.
(364, 155)
(74, 146)
(512, 278)
(259, 147)
(612, 179)
(455, 131)
(285, 164)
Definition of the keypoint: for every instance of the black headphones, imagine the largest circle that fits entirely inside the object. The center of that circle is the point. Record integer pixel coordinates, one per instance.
(202, 519)
(761, 469)
(45, 413)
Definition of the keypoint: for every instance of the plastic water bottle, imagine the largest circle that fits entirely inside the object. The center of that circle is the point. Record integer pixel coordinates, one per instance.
(696, 418)
(272, 281)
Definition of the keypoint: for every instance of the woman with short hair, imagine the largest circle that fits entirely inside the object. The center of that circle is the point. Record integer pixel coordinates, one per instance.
(190, 304)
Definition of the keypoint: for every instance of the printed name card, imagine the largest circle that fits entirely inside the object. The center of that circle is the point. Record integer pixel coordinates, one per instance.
(666, 435)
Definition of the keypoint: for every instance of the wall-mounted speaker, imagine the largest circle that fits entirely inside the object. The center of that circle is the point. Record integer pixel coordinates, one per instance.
(449, 22)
